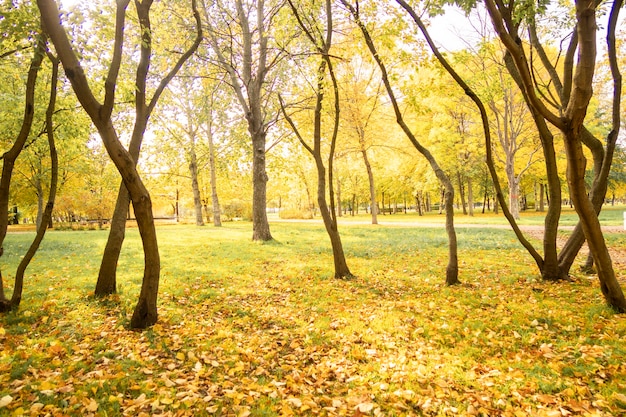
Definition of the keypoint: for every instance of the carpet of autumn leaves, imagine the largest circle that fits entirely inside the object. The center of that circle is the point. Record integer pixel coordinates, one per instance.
(264, 330)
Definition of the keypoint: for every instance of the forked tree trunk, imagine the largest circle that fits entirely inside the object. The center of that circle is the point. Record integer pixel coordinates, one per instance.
(107, 275)
(145, 313)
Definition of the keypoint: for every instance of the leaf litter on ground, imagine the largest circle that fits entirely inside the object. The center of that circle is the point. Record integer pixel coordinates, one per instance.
(262, 330)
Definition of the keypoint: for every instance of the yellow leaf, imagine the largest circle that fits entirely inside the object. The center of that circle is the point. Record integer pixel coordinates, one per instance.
(6, 400)
(92, 406)
(166, 401)
(2, 331)
(365, 407)
(180, 356)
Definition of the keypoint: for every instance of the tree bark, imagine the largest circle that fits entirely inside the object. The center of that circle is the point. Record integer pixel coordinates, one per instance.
(11, 155)
(46, 215)
(327, 210)
(193, 172)
(248, 84)
(461, 192)
(107, 275)
(470, 197)
(215, 204)
(145, 313)
(452, 269)
(372, 186)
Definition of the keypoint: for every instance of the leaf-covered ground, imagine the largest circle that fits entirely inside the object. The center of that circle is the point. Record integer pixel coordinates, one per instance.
(264, 330)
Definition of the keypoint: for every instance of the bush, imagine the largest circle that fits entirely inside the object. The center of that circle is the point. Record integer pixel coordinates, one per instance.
(295, 214)
(237, 209)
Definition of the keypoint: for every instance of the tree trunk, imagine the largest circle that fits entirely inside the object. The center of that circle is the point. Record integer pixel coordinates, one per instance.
(40, 203)
(107, 280)
(339, 214)
(215, 204)
(461, 192)
(330, 220)
(107, 274)
(452, 268)
(470, 197)
(46, 215)
(589, 221)
(11, 155)
(260, 224)
(193, 172)
(372, 186)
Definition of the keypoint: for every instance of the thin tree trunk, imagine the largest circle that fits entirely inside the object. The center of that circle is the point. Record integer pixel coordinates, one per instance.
(339, 214)
(326, 210)
(145, 313)
(372, 185)
(11, 155)
(461, 191)
(193, 172)
(46, 215)
(107, 275)
(452, 268)
(470, 197)
(215, 204)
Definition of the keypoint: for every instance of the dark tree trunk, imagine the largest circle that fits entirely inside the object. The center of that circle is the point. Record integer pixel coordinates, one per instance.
(452, 268)
(9, 157)
(107, 275)
(327, 211)
(145, 313)
(260, 224)
(46, 215)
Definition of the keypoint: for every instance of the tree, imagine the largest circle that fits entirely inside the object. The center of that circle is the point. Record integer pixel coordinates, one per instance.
(10, 156)
(248, 65)
(145, 313)
(360, 103)
(46, 215)
(575, 93)
(107, 276)
(321, 39)
(452, 269)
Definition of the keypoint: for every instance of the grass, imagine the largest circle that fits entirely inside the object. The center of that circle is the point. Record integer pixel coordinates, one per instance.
(264, 330)
(609, 216)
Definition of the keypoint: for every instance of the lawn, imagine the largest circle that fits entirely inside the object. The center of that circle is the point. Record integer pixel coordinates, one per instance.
(249, 329)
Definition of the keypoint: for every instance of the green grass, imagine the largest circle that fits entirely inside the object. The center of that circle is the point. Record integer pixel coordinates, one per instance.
(258, 329)
(609, 216)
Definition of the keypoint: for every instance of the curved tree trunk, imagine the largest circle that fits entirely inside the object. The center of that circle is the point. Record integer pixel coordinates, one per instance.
(322, 44)
(107, 275)
(452, 268)
(11, 155)
(145, 313)
(46, 215)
